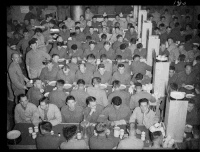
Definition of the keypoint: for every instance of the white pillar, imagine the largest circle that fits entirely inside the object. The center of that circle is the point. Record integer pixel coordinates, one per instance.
(147, 26)
(153, 44)
(141, 18)
(160, 77)
(135, 11)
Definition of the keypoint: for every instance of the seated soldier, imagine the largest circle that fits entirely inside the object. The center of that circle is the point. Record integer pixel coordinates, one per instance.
(90, 64)
(71, 112)
(117, 43)
(103, 74)
(142, 52)
(139, 67)
(80, 36)
(124, 51)
(80, 94)
(75, 52)
(34, 94)
(140, 94)
(93, 110)
(93, 34)
(186, 77)
(142, 115)
(107, 62)
(26, 112)
(86, 44)
(119, 60)
(172, 75)
(121, 75)
(97, 92)
(102, 141)
(66, 74)
(58, 96)
(62, 52)
(49, 112)
(70, 134)
(84, 73)
(139, 78)
(125, 96)
(103, 40)
(49, 72)
(93, 49)
(73, 41)
(64, 33)
(116, 113)
(180, 66)
(45, 140)
(55, 58)
(132, 142)
(106, 49)
(73, 66)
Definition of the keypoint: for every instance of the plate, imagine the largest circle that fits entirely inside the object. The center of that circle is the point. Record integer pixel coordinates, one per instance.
(52, 83)
(67, 86)
(189, 87)
(61, 65)
(122, 86)
(46, 94)
(61, 60)
(177, 95)
(189, 95)
(55, 88)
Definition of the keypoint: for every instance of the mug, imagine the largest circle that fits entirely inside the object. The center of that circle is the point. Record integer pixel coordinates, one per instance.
(30, 130)
(116, 131)
(34, 135)
(78, 135)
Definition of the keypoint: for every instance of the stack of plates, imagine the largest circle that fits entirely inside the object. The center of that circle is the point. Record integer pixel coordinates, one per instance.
(161, 58)
(177, 95)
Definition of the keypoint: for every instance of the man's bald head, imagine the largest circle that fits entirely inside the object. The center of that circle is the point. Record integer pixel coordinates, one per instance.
(15, 57)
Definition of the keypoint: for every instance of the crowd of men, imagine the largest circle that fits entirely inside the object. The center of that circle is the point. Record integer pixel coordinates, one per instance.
(34, 53)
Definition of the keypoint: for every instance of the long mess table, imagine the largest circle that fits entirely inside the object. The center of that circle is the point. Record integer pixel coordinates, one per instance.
(28, 142)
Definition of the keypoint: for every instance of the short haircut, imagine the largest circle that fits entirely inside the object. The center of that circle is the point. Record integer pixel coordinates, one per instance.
(122, 46)
(80, 81)
(162, 17)
(94, 17)
(64, 27)
(188, 37)
(191, 101)
(116, 83)
(69, 132)
(32, 41)
(52, 22)
(77, 28)
(198, 58)
(97, 79)
(91, 56)
(101, 66)
(117, 15)
(120, 65)
(74, 47)
(21, 96)
(175, 18)
(138, 84)
(156, 28)
(48, 15)
(77, 23)
(36, 79)
(25, 31)
(143, 100)
(188, 65)
(65, 67)
(103, 56)
(59, 43)
(92, 42)
(106, 43)
(119, 35)
(139, 45)
(54, 55)
(132, 27)
(168, 27)
(173, 86)
(139, 76)
(38, 30)
(105, 17)
(88, 37)
(90, 99)
(155, 135)
(104, 36)
(60, 82)
(70, 97)
(172, 68)
(182, 57)
(44, 99)
(133, 41)
(45, 125)
(91, 27)
(118, 57)
(116, 101)
(162, 25)
(182, 29)
(170, 38)
(136, 56)
(176, 24)
(100, 127)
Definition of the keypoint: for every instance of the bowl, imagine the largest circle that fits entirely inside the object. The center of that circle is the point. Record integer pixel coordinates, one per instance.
(61, 60)
(189, 95)
(189, 87)
(177, 95)
(67, 86)
(52, 83)
(122, 86)
(61, 65)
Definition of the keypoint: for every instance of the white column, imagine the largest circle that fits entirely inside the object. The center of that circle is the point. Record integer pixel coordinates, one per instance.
(141, 18)
(153, 44)
(160, 77)
(147, 26)
(135, 11)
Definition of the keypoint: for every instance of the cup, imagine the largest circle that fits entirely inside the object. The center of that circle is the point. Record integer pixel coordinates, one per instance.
(34, 135)
(36, 128)
(116, 131)
(30, 130)
(78, 135)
